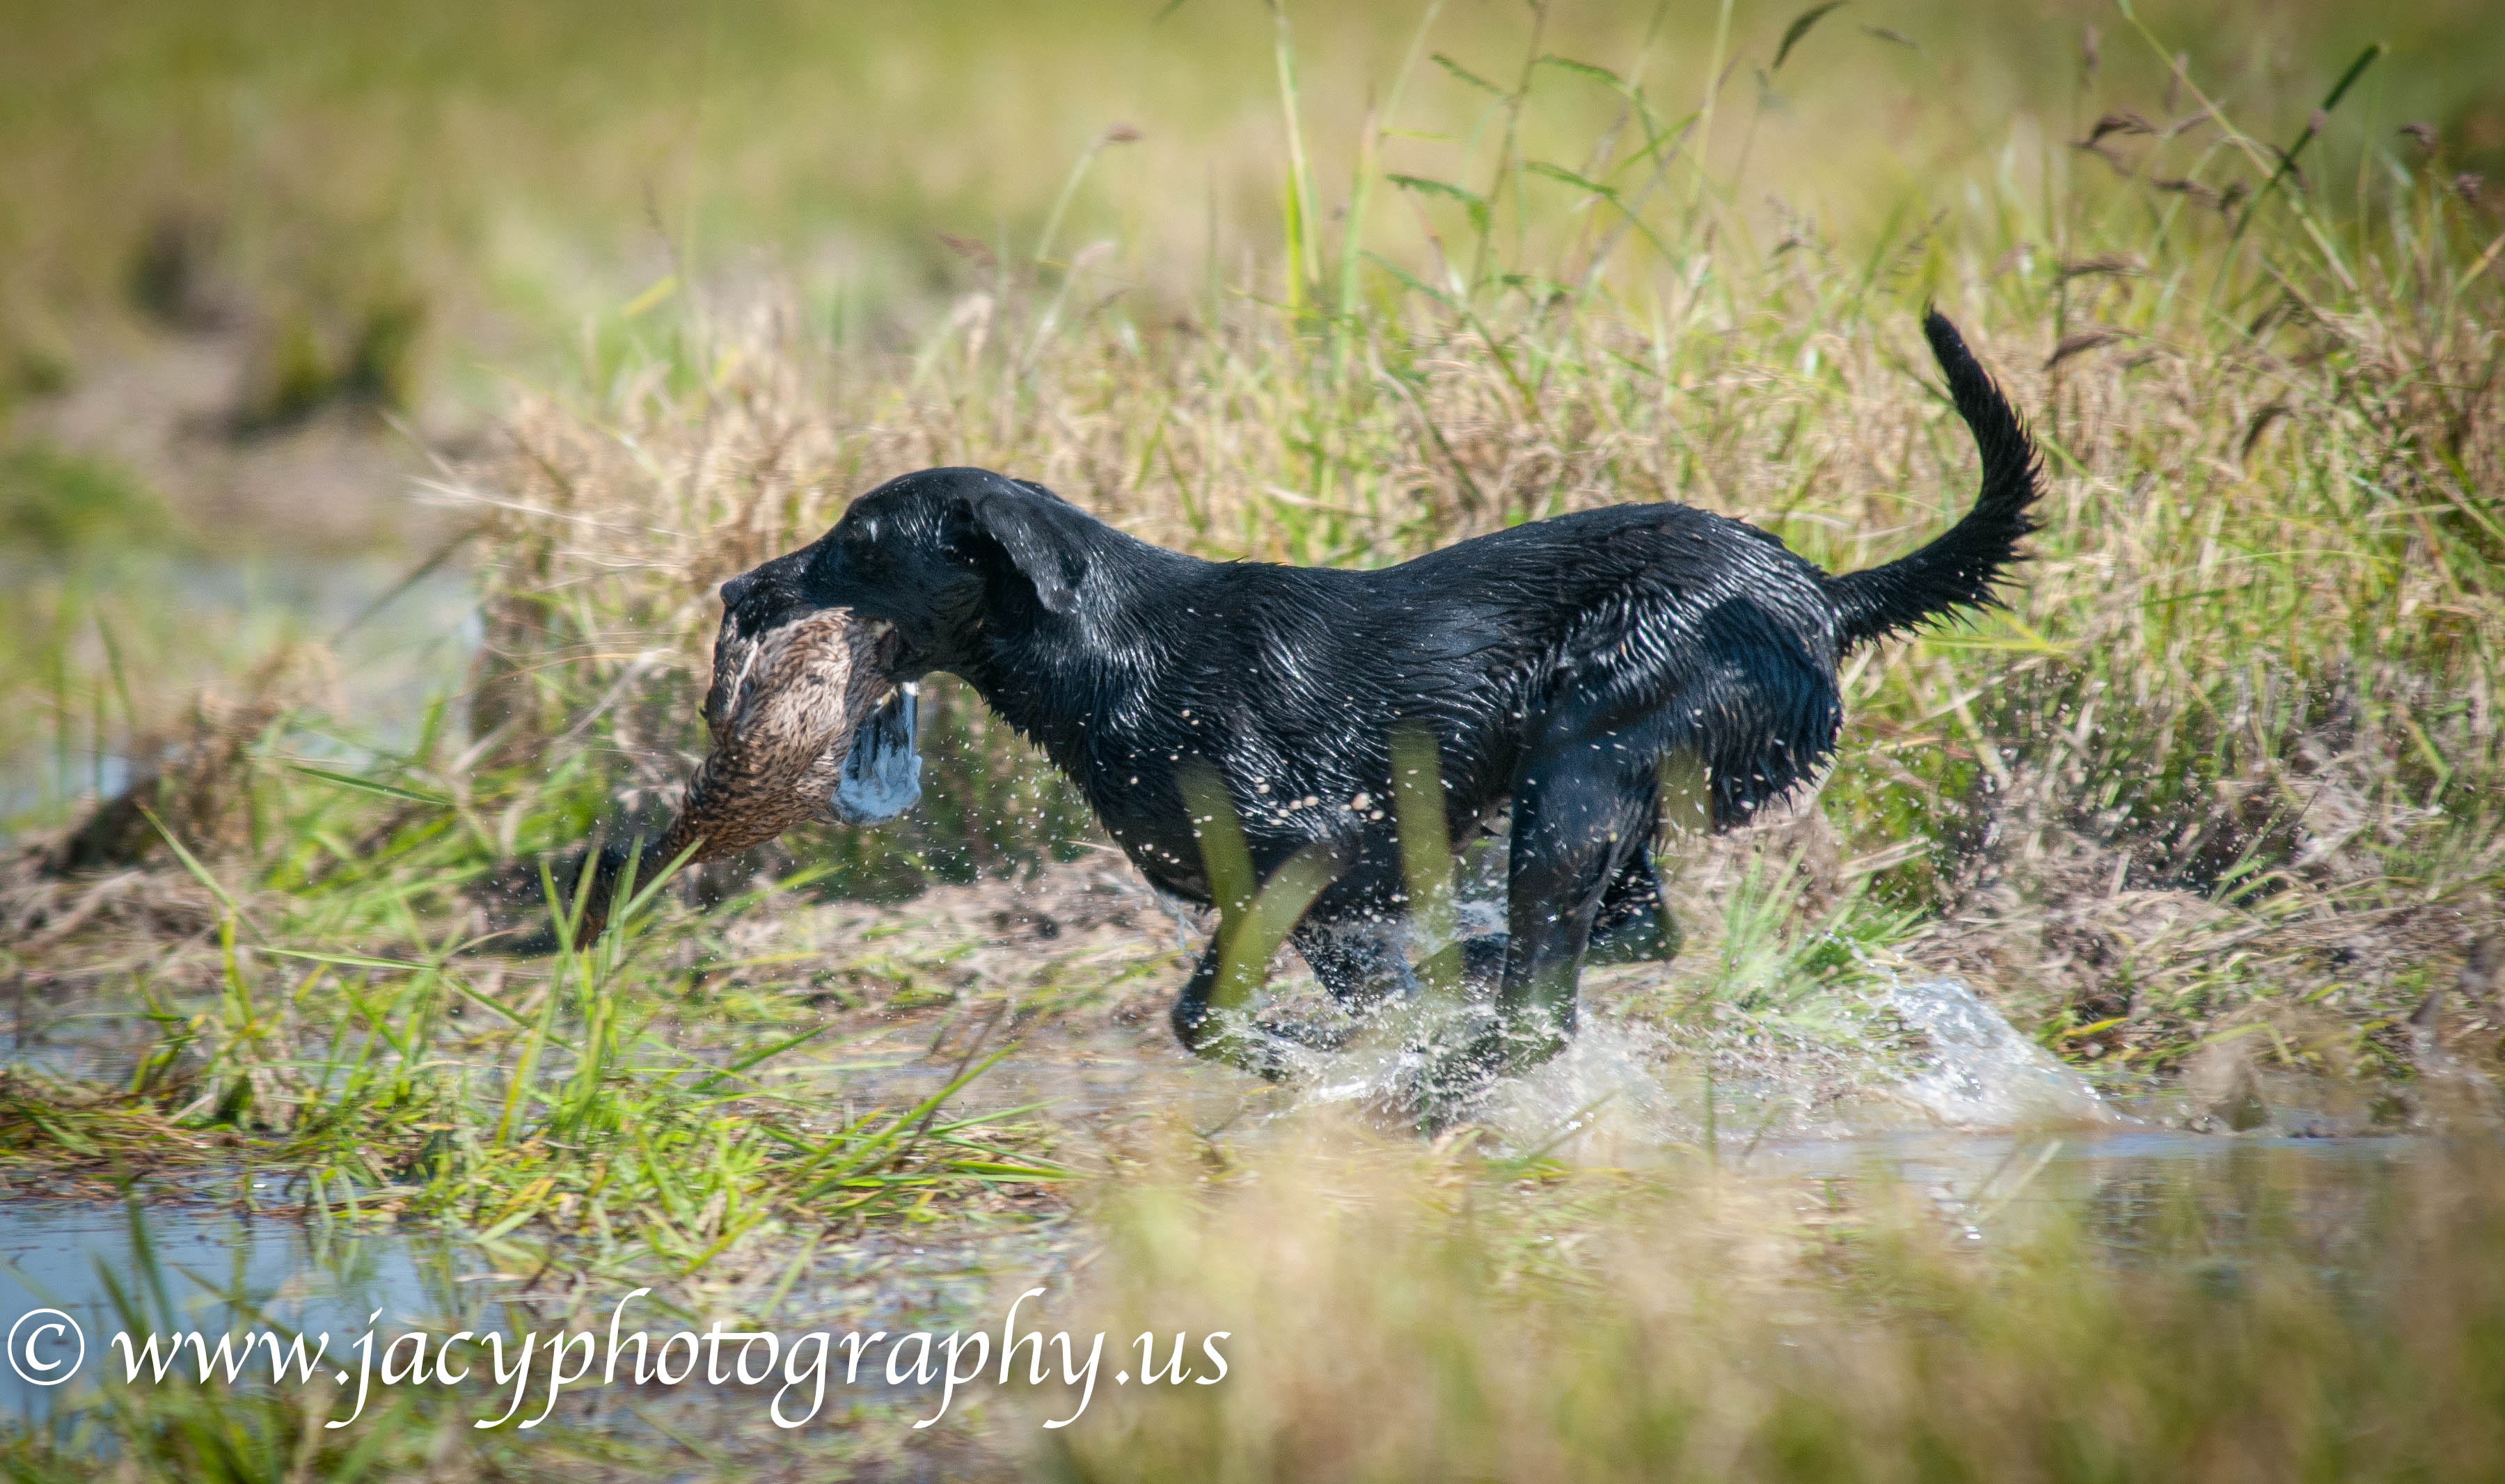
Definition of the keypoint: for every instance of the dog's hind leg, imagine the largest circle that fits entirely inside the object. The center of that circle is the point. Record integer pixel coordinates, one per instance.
(1581, 811)
(1635, 924)
(1359, 962)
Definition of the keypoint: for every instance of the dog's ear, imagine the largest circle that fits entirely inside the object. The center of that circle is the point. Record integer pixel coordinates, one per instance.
(1037, 535)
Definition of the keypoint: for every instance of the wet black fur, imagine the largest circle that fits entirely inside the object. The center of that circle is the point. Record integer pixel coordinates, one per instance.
(1558, 663)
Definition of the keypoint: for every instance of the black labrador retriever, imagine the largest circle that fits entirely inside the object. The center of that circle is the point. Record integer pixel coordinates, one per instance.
(1557, 665)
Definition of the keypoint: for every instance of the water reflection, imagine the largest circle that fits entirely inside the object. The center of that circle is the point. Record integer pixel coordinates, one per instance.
(212, 1271)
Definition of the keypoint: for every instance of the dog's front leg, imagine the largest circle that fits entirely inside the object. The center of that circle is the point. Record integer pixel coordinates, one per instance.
(1232, 1039)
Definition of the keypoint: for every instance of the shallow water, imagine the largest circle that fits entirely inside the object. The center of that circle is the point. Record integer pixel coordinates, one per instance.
(2135, 1194)
(171, 1269)
(217, 1272)
(1919, 1055)
(1945, 1100)
(391, 647)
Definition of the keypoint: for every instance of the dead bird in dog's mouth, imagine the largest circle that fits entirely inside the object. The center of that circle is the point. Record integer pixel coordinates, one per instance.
(807, 724)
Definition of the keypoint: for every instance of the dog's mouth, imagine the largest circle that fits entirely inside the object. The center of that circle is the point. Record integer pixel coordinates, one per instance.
(806, 723)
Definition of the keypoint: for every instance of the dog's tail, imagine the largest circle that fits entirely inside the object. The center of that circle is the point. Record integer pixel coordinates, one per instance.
(1963, 567)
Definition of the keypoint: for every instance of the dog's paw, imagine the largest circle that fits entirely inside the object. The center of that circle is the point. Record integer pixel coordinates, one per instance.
(1316, 1036)
(1442, 1072)
(1239, 1041)
(1479, 1047)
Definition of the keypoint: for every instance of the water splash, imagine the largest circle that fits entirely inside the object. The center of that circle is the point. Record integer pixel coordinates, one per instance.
(1614, 1095)
(1903, 1054)
(1975, 1071)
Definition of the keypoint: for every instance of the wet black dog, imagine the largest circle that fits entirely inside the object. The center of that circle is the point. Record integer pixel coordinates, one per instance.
(1557, 664)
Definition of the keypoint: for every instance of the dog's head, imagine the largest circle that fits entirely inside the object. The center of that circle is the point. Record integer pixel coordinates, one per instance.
(926, 562)
(942, 555)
